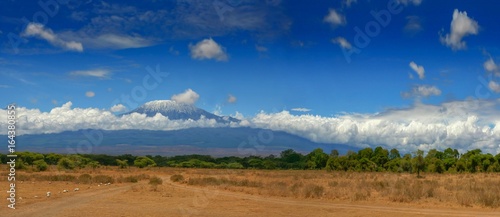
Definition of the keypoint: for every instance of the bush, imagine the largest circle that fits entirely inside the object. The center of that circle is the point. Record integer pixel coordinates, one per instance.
(40, 165)
(65, 164)
(155, 180)
(313, 191)
(142, 162)
(177, 178)
(103, 179)
(85, 179)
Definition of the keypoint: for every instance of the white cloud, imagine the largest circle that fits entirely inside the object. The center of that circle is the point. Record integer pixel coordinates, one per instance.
(301, 109)
(491, 66)
(89, 94)
(406, 2)
(115, 41)
(187, 97)
(38, 30)
(231, 99)
(418, 69)
(342, 42)
(98, 73)
(334, 18)
(422, 91)
(461, 26)
(4, 86)
(208, 49)
(118, 108)
(464, 125)
(494, 86)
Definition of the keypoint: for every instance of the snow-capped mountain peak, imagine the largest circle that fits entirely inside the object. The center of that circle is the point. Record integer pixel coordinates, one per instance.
(178, 111)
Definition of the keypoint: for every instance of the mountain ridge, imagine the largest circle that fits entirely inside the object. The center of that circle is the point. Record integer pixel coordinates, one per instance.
(178, 111)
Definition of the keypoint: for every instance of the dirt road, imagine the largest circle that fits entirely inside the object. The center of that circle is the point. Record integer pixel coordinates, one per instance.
(173, 199)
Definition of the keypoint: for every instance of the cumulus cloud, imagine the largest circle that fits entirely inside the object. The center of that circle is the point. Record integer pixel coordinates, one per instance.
(98, 73)
(231, 99)
(463, 125)
(187, 97)
(335, 18)
(208, 49)
(89, 94)
(494, 86)
(461, 26)
(422, 91)
(38, 30)
(418, 69)
(342, 42)
(118, 108)
(407, 2)
(301, 109)
(491, 66)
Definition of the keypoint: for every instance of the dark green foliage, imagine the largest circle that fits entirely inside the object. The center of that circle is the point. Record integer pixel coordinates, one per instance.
(367, 159)
(142, 162)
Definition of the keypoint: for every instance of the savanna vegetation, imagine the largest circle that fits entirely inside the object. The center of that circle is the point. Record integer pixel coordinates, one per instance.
(364, 160)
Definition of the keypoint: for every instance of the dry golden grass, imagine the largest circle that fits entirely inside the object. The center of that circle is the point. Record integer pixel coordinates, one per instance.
(443, 190)
(480, 190)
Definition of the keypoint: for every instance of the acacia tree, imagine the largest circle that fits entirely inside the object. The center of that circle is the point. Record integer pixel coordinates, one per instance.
(418, 162)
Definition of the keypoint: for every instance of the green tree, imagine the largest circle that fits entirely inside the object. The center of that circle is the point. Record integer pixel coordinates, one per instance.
(94, 164)
(394, 154)
(418, 162)
(122, 163)
(53, 158)
(142, 162)
(317, 159)
(65, 164)
(40, 165)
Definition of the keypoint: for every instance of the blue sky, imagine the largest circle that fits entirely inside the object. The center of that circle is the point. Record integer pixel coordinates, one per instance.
(266, 56)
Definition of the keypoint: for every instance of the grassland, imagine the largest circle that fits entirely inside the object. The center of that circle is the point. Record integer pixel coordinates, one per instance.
(216, 192)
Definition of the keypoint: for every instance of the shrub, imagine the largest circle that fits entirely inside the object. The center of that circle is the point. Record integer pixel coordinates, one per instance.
(40, 165)
(65, 164)
(85, 179)
(155, 180)
(177, 178)
(103, 179)
(313, 191)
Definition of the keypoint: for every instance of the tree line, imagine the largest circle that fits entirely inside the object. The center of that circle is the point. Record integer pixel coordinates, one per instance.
(367, 159)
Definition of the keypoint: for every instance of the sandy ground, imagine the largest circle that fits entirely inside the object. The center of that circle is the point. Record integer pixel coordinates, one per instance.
(173, 199)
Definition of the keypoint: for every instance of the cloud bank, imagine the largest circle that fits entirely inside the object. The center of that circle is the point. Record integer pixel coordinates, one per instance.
(463, 125)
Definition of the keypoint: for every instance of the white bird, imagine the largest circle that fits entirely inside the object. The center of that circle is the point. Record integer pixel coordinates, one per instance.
(64, 191)
(76, 189)
(48, 194)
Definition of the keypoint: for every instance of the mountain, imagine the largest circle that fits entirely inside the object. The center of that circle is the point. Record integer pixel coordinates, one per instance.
(178, 111)
(224, 141)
